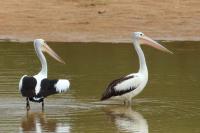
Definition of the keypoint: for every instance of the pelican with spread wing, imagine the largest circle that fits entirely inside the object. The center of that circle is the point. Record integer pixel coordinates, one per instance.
(36, 88)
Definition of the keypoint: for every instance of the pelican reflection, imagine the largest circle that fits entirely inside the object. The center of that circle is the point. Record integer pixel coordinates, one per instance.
(127, 120)
(38, 123)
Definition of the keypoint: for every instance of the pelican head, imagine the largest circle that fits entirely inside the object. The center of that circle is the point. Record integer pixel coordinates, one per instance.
(143, 39)
(41, 44)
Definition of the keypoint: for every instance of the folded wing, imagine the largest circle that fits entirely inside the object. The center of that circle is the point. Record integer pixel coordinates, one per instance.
(121, 86)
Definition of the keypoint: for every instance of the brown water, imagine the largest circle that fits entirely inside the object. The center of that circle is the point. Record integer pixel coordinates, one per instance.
(170, 103)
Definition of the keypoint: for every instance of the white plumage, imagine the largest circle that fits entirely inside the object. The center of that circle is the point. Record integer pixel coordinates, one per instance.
(129, 83)
(62, 85)
(39, 77)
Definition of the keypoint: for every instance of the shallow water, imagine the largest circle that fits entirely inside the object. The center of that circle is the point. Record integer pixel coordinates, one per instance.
(170, 103)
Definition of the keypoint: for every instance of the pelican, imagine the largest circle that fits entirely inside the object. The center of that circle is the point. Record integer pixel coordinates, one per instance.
(36, 88)
(131, 85)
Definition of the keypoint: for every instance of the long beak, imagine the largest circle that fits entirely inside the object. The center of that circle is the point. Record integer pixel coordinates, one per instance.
(47, 49)
(150, 42)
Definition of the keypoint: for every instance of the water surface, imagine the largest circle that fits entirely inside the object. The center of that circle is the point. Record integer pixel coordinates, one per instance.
(170, 103)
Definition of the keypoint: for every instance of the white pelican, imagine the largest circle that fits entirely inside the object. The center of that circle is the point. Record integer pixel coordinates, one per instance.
(131, 85)
(36, 88)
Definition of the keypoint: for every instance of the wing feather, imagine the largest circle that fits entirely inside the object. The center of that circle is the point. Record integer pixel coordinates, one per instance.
(121, 86)
(50, 87)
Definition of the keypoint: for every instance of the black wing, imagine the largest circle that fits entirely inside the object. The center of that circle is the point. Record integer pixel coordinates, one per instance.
(47, 88)
(28, 86)
(110, 91)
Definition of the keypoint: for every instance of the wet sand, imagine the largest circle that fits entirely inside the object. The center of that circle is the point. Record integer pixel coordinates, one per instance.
(98, 20)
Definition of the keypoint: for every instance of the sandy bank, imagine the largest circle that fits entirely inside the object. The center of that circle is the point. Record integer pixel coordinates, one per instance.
(99, 20)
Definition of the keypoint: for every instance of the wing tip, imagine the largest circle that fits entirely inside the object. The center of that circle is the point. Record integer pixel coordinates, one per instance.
(103, 99)
(105, 96)
(108, 92)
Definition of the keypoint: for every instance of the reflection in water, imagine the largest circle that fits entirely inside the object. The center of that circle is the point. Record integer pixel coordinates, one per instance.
(37, 122)
(128, 120)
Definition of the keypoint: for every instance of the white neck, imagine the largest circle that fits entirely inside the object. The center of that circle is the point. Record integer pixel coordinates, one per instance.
(42, 61)
(143, 66)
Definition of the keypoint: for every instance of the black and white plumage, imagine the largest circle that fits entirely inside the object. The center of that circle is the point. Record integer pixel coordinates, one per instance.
(36, 88)
(131, 85)
(47, 87)
(114, 90)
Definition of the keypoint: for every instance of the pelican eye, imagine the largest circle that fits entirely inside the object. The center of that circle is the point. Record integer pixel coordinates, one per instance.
(141, 34)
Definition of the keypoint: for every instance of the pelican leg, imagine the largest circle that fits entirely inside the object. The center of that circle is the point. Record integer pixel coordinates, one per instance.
(42, 104)
(27, 104)
(125, 102)
(129, 102)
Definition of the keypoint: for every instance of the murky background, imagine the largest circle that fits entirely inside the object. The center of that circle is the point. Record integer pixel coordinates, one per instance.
(170, 103)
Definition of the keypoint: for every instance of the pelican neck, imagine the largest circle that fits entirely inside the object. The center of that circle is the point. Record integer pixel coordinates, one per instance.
(142, 61)
(42, 59)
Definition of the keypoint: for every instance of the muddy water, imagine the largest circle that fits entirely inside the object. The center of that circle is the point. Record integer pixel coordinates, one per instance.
(169, 104)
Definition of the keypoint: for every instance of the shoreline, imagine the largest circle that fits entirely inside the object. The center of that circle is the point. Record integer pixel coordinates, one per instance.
(96, 42)
(126, 40)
